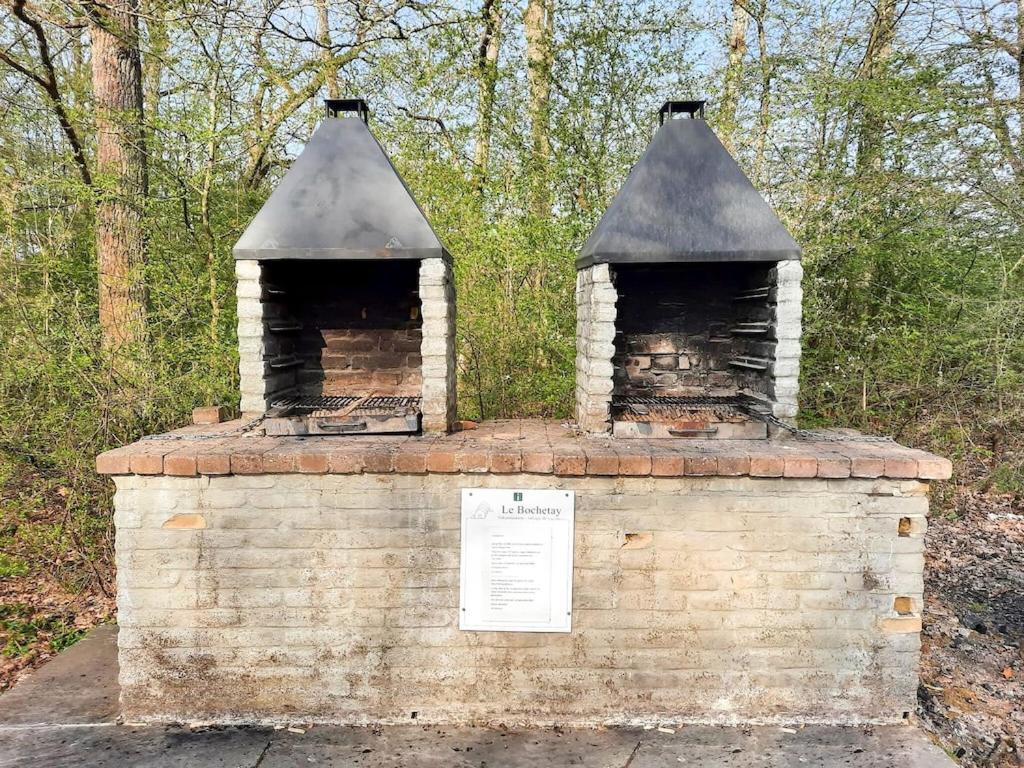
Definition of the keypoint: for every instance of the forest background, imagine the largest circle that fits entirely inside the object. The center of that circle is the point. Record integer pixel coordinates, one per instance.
(138, 137)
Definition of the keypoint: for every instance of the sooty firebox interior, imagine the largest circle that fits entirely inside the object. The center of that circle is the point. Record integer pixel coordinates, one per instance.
(345, 328)
(691, 329)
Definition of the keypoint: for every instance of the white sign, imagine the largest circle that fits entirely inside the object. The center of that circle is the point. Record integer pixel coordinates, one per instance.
(516, 560)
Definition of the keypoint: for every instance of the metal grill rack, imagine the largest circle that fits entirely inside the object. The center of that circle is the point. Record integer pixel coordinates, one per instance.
(343, 414)
(636, 405)
(704, 416)
(327, 404)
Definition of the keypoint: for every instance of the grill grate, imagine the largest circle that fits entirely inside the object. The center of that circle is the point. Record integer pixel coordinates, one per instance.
(327, 403)
(694, 401)
(640, 408)
(344, 415)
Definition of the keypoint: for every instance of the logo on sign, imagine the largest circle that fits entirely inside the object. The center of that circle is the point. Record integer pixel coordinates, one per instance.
(517, 497)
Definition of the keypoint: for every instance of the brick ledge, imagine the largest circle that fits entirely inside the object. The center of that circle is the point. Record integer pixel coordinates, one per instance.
(509, 447)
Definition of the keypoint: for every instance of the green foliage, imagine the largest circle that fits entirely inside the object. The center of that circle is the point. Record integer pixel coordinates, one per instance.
(1008, 478)
(12, 566)
(21, 629)
(516, 337)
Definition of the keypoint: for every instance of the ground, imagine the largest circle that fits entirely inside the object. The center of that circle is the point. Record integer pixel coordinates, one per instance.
(65, 714)
(972, 668)
(39, 618)
(972, 691)
(55, 572)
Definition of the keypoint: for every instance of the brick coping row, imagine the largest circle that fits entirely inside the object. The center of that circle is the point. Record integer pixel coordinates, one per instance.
(512, 447)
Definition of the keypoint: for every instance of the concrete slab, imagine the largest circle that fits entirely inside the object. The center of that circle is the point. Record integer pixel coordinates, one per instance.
(78, 686)
(773, 747)
(64, 714)
(115, 746)
(432, 747)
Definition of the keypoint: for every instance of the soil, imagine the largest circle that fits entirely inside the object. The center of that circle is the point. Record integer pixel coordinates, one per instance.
(971, 695)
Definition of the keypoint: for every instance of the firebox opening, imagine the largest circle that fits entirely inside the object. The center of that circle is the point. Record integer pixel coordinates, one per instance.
(693, 329)
(342, 328)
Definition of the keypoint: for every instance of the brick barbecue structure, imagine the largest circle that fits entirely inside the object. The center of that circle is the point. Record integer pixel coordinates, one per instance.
(345, 292)
(273, 569)
(275, 579)
(688, 298)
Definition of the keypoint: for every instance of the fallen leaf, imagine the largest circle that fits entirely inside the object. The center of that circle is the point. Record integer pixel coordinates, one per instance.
(1008, 673)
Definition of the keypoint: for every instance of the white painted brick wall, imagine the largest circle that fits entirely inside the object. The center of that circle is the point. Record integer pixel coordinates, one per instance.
(250, 337)
(595, 337)
(334, 598)
(437, 350)
(785, 371)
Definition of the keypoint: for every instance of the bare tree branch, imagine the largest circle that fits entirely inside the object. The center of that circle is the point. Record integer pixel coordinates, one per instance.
(49, 84)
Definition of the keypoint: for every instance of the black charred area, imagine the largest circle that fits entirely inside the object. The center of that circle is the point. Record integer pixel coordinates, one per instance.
(351, 327)
(677, 329)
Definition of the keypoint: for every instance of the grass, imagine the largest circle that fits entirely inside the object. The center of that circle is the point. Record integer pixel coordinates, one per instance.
(12, 567)
(1008, 478)
(21, 630)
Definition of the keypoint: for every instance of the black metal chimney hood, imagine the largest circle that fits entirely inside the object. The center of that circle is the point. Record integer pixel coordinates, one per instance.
(341, 199)
(687, 200)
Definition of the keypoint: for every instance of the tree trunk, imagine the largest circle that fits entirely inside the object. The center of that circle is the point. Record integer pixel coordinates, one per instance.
(213, 116)
(737, 44)
(538, 22)
(873, 69)
(323, 35)
(1017, 150)
(1020, 61)
(487, 73)
(122, 183)
(764, 114)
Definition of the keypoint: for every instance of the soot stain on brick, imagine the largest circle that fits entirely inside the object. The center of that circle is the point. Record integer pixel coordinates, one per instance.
(503, 672)
(208, 584)
(637, 540)
(872, 581)
(196, 686)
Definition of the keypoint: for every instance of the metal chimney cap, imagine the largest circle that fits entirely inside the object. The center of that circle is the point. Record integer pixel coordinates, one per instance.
(335, 107)
(692, 107)
(686, 200)
(341, 199)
